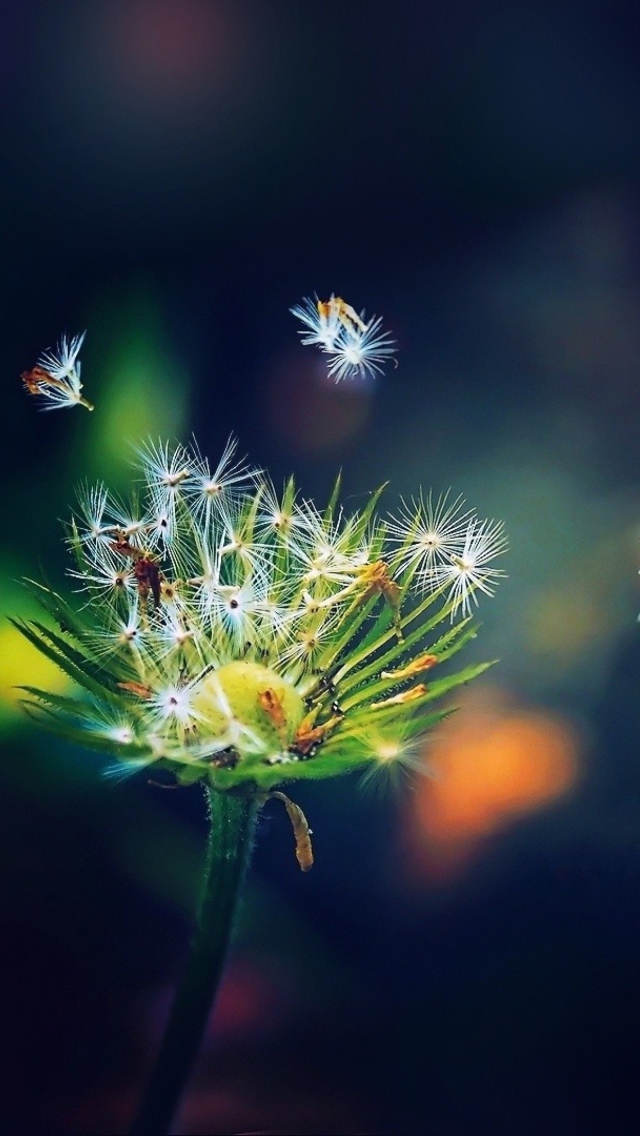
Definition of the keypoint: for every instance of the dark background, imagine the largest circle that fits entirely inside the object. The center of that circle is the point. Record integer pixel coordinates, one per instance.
(464, 957)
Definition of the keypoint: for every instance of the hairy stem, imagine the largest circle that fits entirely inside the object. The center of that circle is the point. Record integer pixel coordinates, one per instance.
(230, 841)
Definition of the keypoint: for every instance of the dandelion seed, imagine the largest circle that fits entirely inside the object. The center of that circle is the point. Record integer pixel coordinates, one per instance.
(322, 321)
(114, 727)
(311, 639)
(469, 573)
(428, 533)
(237, 608)
(208, 493)
(278, 516)
(93, 504)
(125, 521)
(240, 540)
(105, 573)
(56, 377)
(354, 346)
(204, 585)
(173, 634)
(124, 634)
(123, 735)
(275, 620)
(164, 467)
(362, 353)
(62, 365)
(174, 702)
(160, 519)
(325, 550)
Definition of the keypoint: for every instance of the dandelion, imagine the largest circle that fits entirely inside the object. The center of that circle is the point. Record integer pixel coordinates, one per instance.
(354, 347)
(56, 377)
(315, 607)
(249, 642)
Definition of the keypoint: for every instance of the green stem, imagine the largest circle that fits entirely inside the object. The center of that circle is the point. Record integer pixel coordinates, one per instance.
(230, 841)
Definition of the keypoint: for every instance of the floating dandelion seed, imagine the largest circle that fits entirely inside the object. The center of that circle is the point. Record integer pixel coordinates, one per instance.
(56, 377)
(321, 321)
(355, 347)
(357, 352)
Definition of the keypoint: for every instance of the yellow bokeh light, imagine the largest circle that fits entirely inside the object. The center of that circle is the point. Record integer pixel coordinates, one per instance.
(21, 664)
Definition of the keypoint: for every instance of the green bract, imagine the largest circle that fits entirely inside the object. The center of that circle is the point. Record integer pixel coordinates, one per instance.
(239, 637)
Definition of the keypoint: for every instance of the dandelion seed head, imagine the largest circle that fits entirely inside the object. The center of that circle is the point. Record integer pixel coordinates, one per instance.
(250, 635)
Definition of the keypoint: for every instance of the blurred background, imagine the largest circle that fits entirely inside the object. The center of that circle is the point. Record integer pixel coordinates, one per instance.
(465, 955)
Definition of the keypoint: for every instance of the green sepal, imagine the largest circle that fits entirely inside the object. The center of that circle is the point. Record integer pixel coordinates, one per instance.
(74, 707)
(361, 520)
(340, 754)
(189, 774)
(352, 742)
(48, 720)
(81, 669)
(384, 632)
(445, 647)
(435, 690)
(64, 615)
(333, 500)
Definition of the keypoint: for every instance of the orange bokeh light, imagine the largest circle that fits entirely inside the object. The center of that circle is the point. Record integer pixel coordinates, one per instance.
(491, 763)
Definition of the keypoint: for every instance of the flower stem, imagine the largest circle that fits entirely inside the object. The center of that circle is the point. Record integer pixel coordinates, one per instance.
(230, 841)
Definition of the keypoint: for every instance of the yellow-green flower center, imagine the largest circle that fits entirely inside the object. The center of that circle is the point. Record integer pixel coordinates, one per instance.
(252, 705)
